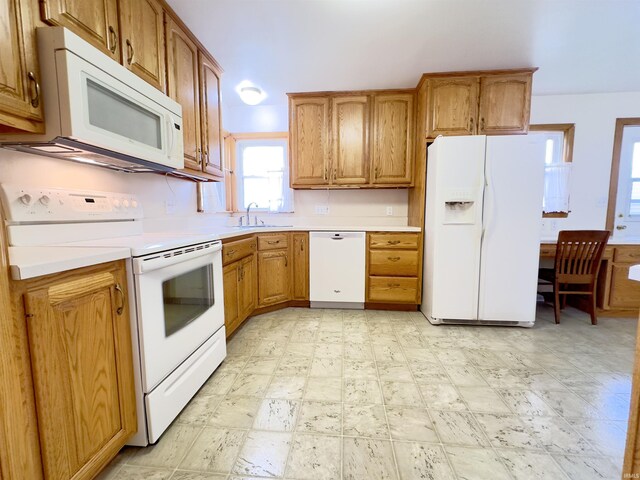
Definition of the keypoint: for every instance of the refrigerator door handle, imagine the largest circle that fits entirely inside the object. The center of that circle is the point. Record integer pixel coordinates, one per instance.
(489, 188)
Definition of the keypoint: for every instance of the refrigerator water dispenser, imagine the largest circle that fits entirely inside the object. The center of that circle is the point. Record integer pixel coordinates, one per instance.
(460, 212)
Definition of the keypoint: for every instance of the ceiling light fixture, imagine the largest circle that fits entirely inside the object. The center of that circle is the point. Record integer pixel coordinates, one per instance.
(250, 94)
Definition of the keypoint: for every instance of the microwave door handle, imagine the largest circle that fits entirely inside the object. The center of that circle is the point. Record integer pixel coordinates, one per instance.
(170, 135)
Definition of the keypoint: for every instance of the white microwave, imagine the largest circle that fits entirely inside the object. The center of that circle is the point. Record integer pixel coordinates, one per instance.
(98, 112)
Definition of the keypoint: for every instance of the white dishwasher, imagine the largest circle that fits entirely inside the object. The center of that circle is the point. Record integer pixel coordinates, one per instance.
(336, 269)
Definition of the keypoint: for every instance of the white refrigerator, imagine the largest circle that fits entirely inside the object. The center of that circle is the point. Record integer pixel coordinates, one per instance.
(482, 229)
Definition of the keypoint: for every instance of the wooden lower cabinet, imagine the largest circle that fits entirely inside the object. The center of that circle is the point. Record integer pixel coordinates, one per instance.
(274, 273)
(300, 266)
(81, 359)
(394, 268)
(624, 293)
(240, 287)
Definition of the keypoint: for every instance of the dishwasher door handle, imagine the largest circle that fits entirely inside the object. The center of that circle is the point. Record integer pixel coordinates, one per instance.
(337, 238)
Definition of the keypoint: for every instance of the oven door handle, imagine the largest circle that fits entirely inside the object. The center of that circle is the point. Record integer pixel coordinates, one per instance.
(159, 260)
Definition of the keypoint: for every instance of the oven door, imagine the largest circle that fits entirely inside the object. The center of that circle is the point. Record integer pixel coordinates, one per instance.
(180, 306)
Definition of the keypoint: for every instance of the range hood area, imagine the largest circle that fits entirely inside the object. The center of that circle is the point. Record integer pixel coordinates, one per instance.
(98, 112)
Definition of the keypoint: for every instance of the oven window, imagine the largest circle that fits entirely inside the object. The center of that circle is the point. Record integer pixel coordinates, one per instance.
(186, 297)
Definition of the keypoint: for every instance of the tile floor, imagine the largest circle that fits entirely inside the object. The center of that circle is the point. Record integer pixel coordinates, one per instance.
(339, 394)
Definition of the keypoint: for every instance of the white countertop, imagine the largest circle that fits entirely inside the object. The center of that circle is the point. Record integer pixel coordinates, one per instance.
(29, 262)
(634, 273)
(228, 232)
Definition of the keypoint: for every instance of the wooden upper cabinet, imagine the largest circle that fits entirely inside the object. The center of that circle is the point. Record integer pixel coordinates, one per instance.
(94, 20)
(183, 87)
(453, 106)
(309, 129)
(142, 40)
(505, 103)
(20, 102)
(393, 138)
(211, 116)
(350, 140)
(81, 359)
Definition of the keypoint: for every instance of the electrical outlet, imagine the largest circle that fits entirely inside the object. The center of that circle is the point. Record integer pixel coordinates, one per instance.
(322, 209)
(389, 210)
(169, 207)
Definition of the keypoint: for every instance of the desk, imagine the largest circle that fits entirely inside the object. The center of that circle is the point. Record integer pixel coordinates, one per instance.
(616, 294)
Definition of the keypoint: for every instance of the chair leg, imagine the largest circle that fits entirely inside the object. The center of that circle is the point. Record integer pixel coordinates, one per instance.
(556, 301)
(592, 309)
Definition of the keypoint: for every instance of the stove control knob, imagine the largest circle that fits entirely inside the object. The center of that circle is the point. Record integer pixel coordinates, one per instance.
(125, 203)
(134, 204)
(25, 199)
(44, 200)
(116, 202)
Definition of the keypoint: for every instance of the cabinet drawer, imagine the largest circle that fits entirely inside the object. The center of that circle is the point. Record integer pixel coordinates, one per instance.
(403, 263)
(393, 240)
(272, 242)
(236, 250)
(393, 289)
(627, 254)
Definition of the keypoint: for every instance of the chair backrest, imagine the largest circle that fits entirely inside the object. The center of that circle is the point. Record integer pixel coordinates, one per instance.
(578, 254)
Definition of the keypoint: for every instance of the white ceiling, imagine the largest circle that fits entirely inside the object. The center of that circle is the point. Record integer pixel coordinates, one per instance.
(580, 46)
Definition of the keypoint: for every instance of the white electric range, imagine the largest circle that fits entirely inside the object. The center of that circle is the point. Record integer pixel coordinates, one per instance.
(175, 289)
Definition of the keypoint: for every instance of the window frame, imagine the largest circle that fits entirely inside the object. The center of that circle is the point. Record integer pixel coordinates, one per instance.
(614, 180)
(568, 131)
(232, 189)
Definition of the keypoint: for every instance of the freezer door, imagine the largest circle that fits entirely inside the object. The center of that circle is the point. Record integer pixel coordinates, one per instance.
(453, 225)
(512, 226)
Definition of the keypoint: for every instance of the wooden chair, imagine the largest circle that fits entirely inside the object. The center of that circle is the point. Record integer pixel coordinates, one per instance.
(576, 266)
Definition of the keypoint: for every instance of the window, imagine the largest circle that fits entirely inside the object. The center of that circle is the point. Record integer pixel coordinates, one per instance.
(257, 173)
(624, 192)
(557, 161)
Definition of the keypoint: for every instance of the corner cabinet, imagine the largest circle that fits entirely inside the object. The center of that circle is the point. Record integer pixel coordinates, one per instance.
(20, 102)
(80, 348)
(478, 103)
(274, 269)
(351, 139)
(193, 80)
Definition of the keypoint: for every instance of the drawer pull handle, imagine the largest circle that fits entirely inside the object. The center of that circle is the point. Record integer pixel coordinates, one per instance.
(35, 98)
(230, 252)
(273, 242)
(113, 40)
(393, 285)
(393, 242)
(120, 307)
(393, 259)
(129, 52)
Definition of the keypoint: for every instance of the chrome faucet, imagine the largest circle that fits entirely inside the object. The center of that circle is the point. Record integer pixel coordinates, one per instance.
(248, 209)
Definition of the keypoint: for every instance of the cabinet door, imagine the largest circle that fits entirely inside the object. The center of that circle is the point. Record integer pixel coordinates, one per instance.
(80, 348)
(393, 139)
(273, 277)
(182, 86)
(142, 43)
(211, 116)
(94, 20)
(20, 103)
(504, 104)
(309, 147)
(300, 266)
(247, 288)
(452, 106)
(624, 293)
(350, 139)
(230, 279)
